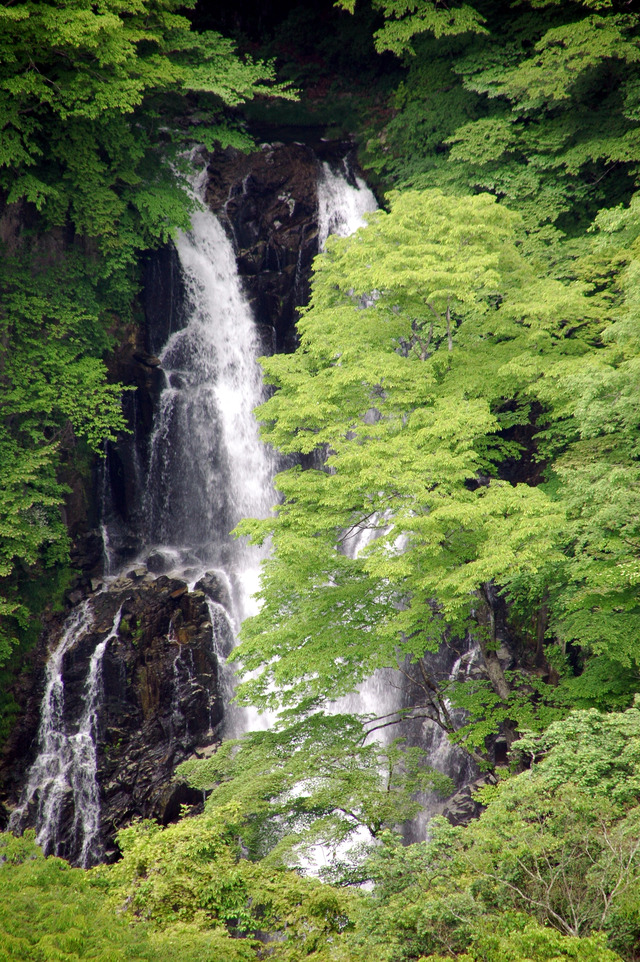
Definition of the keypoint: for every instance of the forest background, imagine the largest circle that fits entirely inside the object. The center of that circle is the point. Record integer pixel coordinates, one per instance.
(468, 377)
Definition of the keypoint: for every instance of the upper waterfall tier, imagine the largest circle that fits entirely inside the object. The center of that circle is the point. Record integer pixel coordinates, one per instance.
(208, 468)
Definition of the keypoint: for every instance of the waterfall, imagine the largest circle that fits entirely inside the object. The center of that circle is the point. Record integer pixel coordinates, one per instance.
(379, 697)
(86, 796)
(208, 468)
(342, 203)
(63, 773)
(443, 755)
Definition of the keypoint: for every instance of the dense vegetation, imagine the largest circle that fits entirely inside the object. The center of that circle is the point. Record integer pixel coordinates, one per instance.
(467, 382)
(96, 105)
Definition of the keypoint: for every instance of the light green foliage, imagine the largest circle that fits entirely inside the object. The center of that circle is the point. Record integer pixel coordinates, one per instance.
(549, 114)
(592, 438)
(51, 912)
(553, 859)
(192, 872)
(315, 782)
(406, 19)
(426, 341)
(598, 753)
(516, 938)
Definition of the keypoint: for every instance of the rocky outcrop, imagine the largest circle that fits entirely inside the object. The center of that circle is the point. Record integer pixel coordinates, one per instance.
(462, 807)
(159, 703)
(268, 200)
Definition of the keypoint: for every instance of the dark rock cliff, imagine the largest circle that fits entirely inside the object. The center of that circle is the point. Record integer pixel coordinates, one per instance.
(159, 703)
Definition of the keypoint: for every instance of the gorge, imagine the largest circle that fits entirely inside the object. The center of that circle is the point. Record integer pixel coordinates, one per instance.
(198, 473)
(319, 574)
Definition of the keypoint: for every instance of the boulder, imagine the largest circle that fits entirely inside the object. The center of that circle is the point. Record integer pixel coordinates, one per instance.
(159, 701)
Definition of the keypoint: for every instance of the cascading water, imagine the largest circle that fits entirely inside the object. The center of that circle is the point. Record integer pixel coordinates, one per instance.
(343, 201)
(84, 784)
(208, 468)
(64, 770)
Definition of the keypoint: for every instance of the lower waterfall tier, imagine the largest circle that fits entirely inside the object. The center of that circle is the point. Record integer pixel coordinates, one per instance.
(159, 703)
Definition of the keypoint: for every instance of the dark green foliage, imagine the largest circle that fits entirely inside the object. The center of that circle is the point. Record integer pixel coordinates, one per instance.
(54, 396)
(92, 105)
(75, 140)
(540, 109)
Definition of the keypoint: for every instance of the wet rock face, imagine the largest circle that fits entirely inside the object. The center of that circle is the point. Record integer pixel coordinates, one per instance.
(462, 807)
(159, 702)
(268, 200)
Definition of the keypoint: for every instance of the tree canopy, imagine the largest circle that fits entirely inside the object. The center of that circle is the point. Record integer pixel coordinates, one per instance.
(464, 402)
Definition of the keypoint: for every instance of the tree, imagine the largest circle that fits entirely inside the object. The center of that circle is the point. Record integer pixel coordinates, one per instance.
(193, 873)
(539, 107)
(315, 783)
(54, 394)
(52, 912)
(553, 859)
(424, 346)
(85, 135)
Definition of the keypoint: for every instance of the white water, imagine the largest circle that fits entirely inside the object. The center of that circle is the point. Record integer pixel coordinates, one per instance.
(84, 784)
(208, 468)
(64, 770)
(341, 206)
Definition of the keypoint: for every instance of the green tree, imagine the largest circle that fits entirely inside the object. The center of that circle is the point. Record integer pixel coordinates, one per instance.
(90, 101)
(313, 783)
(51, 912)
(552, 860)
(425, 344)
(193, 872)
(539, 107)
(54, 395)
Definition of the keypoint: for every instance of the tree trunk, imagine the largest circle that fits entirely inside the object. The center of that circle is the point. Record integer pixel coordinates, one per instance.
(541, 627)
(486, 619)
